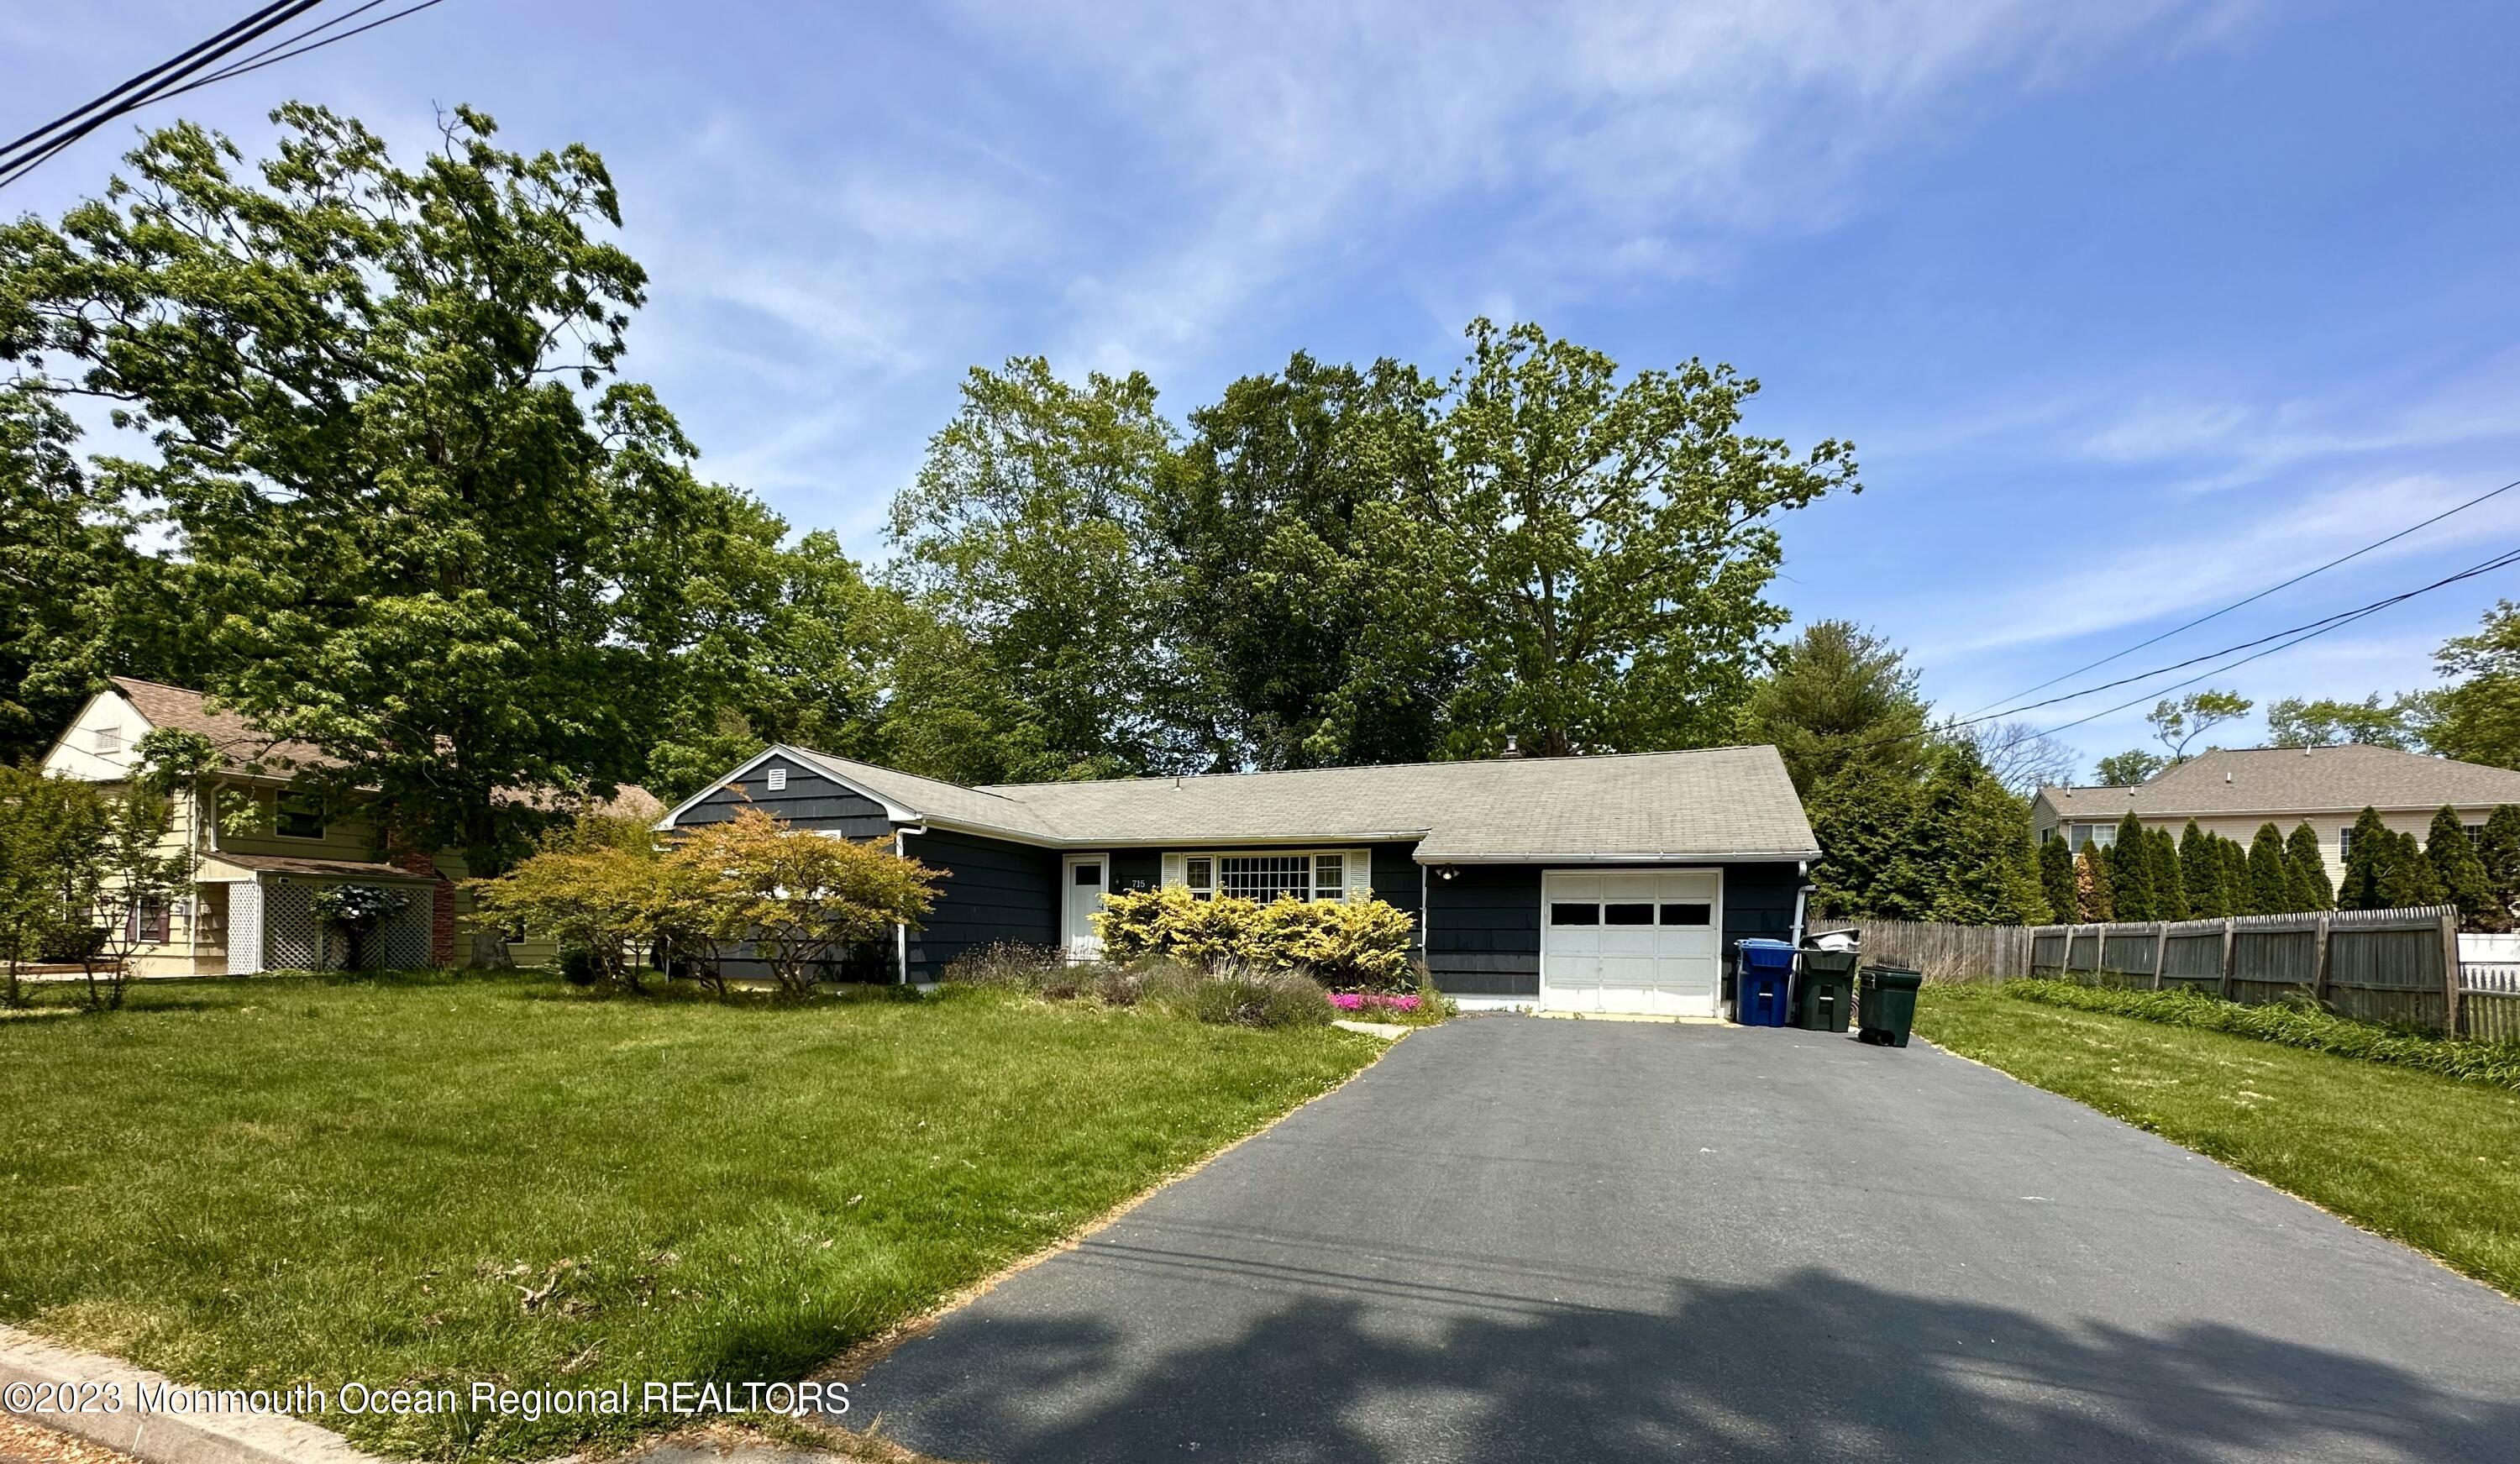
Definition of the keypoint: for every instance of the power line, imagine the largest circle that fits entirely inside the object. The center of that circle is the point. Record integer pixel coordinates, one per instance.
(2261, 594)
(2260, 648)
(184, 72)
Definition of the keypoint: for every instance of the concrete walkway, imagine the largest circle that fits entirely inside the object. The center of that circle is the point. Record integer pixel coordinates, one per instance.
(1521, 1240)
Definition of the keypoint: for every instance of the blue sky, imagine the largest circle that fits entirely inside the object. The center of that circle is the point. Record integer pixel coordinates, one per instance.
(2132, 309)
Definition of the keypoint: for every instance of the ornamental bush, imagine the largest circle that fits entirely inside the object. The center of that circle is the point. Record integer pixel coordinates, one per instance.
(1360, 944)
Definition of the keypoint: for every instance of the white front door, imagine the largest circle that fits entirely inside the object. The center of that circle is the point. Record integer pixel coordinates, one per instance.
(1087, 876)
(1643, 941)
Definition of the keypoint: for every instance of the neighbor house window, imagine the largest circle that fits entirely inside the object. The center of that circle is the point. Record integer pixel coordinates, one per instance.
(2344, 842)
(1200, 876)
(149, 922)
(297, 815)
(2475, 832)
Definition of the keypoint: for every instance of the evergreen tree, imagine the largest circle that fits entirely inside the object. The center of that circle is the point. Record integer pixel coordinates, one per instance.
(2406, 879)
(2311, 887)
(2131, 870)
(2094, 900)
(2056, 878)
(2168, 880)
(2200, 868)
(2368, 845)
(2271, 887)
(2460, 872)
(2500, 852)
(1974, 835)
(2232, 868)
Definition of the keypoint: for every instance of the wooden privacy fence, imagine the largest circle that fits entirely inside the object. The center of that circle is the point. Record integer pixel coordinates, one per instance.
(2382, 966)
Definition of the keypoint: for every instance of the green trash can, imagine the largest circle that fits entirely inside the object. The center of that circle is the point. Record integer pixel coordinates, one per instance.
(1887, 1007)
(1824, 991)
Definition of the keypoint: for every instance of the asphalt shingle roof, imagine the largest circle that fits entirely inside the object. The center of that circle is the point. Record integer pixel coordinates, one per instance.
(1700, 804)
(2297, 780)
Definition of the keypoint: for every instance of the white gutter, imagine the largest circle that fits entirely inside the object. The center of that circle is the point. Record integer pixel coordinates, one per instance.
(1760, 856)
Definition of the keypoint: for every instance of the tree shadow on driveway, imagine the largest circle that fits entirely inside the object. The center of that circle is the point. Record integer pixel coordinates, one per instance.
(1813, 1367)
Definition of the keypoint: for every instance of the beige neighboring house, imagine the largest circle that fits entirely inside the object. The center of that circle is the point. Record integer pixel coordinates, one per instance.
(249, 909)
(2233, 792)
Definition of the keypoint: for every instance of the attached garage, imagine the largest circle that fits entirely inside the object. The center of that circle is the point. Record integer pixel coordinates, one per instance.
(1635, 941)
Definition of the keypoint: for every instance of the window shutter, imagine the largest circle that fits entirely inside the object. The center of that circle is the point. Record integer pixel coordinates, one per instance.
(1360, 873)
(1174, 873)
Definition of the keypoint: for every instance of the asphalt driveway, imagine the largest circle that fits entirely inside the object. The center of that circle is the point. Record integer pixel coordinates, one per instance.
(1518, 1239)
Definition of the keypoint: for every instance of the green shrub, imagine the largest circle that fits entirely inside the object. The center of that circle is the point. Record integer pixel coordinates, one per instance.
(2293, 1024)
(1238, 993)
(1005, 963)
(1360, 944)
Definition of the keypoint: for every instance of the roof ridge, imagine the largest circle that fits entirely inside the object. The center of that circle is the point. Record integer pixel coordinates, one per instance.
(891, 772)
(1523, 759)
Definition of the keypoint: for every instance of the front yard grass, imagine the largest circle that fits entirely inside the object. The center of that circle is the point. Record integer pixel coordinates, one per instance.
(431, 1181)
(2427, 1160)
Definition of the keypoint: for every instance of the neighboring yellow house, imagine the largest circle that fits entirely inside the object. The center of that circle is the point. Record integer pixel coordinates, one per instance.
(249, 909)
(2233, 792)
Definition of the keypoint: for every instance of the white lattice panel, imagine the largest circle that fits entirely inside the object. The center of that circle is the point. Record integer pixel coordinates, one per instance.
(405, 937)
(289, 938)
(245, 930)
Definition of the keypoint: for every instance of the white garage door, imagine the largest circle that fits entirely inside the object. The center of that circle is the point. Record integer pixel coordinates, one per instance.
(1632, 941)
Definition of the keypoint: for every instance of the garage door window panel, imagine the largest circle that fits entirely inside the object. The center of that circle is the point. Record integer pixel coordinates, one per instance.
(1567, 913)
(1628, 913)
(1692, 913)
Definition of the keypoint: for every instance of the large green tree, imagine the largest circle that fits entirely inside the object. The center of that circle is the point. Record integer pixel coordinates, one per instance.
(2478, 719)
(2294, 722)
(2169, 880)
(1840, 706)
(1836, 699)
(78, 600)
(1311, 595)
(427, 528)
(1615, 540)
(2125, 770)
(1033, 536)
(2177, 721)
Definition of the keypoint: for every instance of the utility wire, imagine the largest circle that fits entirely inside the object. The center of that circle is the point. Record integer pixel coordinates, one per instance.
(181, 75)
(9, 147)
(2261, 594)
(29, 153)
(250, 64)
(2260, 648)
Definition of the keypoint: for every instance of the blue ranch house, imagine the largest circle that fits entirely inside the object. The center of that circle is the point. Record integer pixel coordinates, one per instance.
(1608, 885)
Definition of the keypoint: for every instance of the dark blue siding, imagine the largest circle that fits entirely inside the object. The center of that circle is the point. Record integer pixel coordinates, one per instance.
(1136, 869)
(809, 801)
(1483, 930)
(993, 891)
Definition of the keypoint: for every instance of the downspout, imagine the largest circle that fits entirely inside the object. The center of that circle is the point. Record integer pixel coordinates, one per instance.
(901, 928)
(1802, 898)
(1425, 923)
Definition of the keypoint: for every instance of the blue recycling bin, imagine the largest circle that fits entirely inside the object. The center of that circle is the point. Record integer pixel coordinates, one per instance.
(1763, 983)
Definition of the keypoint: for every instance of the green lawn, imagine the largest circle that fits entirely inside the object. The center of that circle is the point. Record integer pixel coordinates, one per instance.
(434, 1180)
(2431, 1161)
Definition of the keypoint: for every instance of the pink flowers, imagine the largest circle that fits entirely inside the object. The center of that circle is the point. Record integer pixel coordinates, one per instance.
(1369, 1002)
